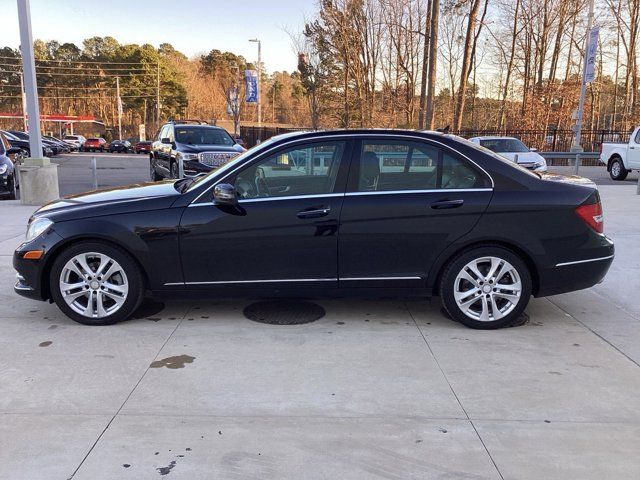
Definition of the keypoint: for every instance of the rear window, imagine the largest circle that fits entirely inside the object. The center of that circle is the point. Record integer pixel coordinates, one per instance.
(203, 136)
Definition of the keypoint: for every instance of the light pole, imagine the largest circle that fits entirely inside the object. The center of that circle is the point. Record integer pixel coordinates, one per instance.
(577, 146)
(38, 177)
(259, 68)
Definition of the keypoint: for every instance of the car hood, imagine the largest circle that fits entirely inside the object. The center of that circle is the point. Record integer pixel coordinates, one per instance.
(115, 200)
(185, 147)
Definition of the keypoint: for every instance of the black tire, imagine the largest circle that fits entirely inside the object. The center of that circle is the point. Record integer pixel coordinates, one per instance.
(153, 173)
(617, 170)
(130, 267)
(11, 186)
(448, 285)
(173, 170)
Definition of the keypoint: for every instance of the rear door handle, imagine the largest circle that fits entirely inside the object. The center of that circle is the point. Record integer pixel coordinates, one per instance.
(441, 204)
(314, 212)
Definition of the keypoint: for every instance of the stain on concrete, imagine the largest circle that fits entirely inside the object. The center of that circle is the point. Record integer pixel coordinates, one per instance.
(45, 344)
(166, 470)
(442, 430)
(554, 373)
(175, 362)
(339, 323)
(126, 465)
(104, 356)
(52, 327)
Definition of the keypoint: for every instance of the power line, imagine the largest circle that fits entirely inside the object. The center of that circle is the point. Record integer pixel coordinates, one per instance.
(81, 88)
(79, 67)
(84, 74)
(106, 62)
(76, 98)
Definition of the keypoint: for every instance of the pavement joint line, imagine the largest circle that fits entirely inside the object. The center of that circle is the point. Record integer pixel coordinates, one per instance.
(619, 307)
(129, 395)
(444, 375)
(596, 333)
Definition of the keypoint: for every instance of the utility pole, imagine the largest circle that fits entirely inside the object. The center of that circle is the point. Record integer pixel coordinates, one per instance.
(158, 95)
(577, 145)
(259, 68)
(119, 104)
(24, 104)
(29, 75)
(38, 177)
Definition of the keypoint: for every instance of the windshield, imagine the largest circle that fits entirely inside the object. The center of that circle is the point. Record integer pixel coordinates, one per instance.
(230, 164)
(504, 145)
(9, 136)
(493, 154)
(203, 136)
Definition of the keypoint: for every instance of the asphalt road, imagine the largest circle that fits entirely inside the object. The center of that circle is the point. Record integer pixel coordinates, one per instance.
(116, 169)
(113, 169)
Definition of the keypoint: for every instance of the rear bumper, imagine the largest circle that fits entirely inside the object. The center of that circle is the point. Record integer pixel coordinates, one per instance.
(577, 274)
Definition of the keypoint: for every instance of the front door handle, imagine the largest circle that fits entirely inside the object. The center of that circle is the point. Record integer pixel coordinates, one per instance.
(314, 212)
(441, 204)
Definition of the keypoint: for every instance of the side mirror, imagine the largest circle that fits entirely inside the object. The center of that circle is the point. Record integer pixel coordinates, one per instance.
(165, 141)
(225, 194)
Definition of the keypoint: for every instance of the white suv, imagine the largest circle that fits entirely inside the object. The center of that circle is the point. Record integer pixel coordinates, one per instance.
(75, 140)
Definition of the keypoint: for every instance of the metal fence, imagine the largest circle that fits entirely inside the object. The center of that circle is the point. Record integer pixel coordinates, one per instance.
(550, 140)
(554, 140)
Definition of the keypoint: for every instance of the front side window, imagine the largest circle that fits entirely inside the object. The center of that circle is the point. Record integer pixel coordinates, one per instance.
(398, 165)
(311, 169)
(195, 135)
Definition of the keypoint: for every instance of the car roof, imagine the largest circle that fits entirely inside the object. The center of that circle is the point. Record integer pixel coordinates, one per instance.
(191, 124)
(494, 137)
(363, 131)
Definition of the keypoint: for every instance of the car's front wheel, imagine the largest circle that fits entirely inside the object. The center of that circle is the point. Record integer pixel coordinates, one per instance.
(617, 170)
(95, 283)
(486, 287)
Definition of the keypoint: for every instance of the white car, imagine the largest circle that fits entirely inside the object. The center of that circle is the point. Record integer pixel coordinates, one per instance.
(621, 158)
(75, 140)
(514, 150)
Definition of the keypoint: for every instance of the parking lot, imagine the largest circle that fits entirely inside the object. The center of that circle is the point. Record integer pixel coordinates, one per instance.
(385, 388)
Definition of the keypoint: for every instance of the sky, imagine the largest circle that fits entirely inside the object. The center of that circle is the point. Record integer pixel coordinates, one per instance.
(191, 26)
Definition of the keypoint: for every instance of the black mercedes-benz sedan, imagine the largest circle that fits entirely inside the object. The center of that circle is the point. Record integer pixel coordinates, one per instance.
(373, 212)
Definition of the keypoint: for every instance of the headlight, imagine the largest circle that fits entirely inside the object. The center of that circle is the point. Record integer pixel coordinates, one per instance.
(3, 168)
(36, 228)
(187, 156)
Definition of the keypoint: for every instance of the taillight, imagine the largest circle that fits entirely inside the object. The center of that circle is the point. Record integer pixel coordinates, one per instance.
(592, 215)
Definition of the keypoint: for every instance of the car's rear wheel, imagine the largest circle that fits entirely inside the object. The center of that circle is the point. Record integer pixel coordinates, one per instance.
(95, 283)
(486, 287)
(617, 170)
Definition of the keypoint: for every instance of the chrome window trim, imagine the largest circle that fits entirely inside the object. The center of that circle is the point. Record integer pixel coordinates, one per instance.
(349, 194)
(346, 136)
(584, 261)
(435, 190)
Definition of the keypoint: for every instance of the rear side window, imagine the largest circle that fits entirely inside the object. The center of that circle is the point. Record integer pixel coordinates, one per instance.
(398, 165)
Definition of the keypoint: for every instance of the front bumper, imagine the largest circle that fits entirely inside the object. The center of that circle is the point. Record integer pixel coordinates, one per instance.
(31, 278)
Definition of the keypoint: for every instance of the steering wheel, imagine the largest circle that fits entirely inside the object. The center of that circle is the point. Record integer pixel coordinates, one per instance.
(246, 189)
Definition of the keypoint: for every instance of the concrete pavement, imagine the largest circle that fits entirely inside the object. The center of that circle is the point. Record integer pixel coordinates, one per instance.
(375, 389)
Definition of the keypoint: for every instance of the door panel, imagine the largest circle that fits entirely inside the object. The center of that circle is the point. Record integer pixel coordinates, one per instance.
(406, 201)
(401, 234)
(261, 240)
(282, 233)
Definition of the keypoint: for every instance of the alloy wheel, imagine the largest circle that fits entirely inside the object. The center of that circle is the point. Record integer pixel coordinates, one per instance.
(94, 285)
(615, 169)
(487, 289)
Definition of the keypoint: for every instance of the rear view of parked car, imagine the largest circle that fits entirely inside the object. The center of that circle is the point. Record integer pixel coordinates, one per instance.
(120, 146)
(75, 140)
(143, 147)
(94, 144)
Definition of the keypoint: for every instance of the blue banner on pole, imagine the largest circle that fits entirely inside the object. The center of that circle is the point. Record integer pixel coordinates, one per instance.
(251, 86)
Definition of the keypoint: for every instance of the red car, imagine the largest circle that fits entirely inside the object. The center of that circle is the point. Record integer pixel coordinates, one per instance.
(143, 147)
(94, 144)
